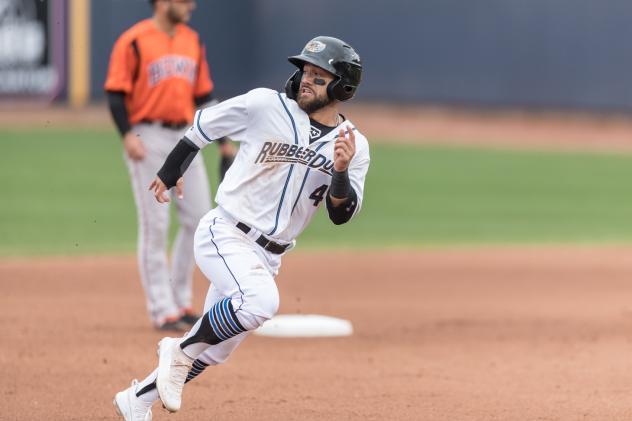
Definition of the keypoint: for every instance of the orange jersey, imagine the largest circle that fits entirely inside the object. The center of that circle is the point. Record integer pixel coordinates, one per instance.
(160, 75)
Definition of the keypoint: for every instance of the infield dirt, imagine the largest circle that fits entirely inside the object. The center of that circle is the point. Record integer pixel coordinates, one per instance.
(467, 334)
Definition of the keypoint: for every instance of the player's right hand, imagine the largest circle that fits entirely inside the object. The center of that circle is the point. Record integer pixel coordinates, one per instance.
(134, 146)
(160, 190)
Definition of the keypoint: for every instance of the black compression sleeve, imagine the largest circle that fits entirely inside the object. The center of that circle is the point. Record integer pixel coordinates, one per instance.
(118, 110)
(343, 212)
(177, 162)
(340, 184)
(224, 165)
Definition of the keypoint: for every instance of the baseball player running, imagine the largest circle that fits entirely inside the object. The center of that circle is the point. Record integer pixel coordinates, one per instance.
(296, 153)
(158, 72)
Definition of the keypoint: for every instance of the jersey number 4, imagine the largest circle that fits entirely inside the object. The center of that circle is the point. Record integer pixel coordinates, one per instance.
(319, 194)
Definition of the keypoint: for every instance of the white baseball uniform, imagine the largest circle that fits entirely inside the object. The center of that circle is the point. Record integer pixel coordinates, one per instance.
(278, 180)
(275, 185)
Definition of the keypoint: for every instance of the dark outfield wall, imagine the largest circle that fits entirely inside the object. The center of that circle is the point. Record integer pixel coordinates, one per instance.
(530, 53)
(225, 26)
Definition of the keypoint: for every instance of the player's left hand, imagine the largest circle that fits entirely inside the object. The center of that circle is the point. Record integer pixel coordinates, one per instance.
(344, 149)
(160, 190)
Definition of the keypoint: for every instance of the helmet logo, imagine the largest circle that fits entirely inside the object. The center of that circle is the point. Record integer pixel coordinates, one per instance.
(315, 46)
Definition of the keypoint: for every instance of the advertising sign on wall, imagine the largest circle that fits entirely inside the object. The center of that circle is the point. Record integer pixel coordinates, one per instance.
(31, 48)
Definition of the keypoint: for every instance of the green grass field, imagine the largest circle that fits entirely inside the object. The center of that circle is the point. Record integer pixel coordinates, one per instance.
(68, 192)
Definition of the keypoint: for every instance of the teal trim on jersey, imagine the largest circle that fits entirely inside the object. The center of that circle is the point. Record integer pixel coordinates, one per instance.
(305, 178)
(289, 175)
(197, 123)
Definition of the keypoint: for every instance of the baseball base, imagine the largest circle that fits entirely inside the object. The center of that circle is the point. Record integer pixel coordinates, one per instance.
(304, 326)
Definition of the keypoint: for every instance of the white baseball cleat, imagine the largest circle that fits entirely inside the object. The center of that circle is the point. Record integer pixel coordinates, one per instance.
(173, 368)
(130, 407)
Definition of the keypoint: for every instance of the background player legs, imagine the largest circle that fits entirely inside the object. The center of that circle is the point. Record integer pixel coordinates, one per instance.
(191, 209)
(153, 224)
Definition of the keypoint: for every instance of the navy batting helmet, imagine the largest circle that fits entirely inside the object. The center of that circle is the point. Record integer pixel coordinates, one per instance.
(333, 55)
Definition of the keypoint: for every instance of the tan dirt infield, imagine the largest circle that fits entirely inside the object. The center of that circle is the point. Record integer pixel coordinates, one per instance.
(465, 334)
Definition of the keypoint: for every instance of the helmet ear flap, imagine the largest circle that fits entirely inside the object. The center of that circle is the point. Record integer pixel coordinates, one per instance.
(338, 90)
(292, 84)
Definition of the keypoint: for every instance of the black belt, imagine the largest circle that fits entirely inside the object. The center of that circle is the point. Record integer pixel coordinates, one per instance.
(269, 245)
(167, 124)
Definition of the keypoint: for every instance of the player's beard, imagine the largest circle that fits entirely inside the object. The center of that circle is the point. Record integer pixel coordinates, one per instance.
(313, 105)
(174, 17)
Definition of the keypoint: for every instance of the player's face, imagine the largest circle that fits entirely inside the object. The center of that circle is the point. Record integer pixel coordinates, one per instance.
(312, 92)
(179, 11)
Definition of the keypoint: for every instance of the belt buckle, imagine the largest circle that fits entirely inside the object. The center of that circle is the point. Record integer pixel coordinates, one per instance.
(268, 245)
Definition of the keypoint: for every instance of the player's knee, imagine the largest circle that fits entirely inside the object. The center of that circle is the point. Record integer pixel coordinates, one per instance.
(190, 218)
(267, 310)
(189, 222)
(255, 310)
(154, 232)
(269, 303)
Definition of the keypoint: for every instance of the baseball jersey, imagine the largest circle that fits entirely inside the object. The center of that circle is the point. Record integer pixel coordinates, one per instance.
(278, 179)
(160, 75)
